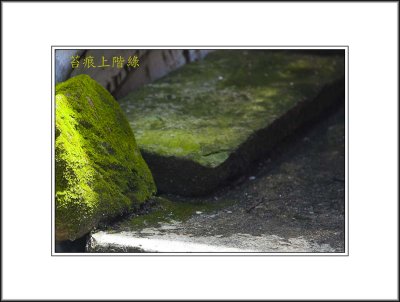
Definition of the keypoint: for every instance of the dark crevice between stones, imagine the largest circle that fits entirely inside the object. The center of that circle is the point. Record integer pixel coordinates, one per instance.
(68, 246)
(321, 52)
(186, 56)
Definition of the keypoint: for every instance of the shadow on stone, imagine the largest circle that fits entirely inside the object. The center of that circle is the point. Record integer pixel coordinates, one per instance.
(76, 246)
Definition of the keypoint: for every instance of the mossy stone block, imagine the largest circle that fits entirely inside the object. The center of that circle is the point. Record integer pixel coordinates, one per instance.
(100, 172)
(204, 123)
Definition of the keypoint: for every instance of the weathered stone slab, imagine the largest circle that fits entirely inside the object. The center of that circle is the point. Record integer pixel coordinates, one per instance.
(205, 123)
(125, 242)
(100, 173)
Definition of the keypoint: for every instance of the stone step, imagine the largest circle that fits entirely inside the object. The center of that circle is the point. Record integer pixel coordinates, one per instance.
(204, 124)
(292, 202)
(125, 242)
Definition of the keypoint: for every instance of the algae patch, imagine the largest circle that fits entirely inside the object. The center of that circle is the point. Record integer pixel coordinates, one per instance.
(169, 209)
(100, 173)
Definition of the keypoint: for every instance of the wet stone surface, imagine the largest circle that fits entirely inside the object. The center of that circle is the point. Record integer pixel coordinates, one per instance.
(294, 201)
(204, 124)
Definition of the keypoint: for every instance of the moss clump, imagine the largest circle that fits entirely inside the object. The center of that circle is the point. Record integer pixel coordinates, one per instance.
(100, 173)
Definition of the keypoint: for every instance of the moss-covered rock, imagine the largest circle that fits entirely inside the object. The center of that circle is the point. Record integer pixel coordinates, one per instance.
(100, 173)
(204, 123)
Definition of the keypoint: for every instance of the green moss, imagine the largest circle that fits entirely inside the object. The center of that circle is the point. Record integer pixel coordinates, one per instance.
(205, 110)
(170, 209)
(100, 172)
